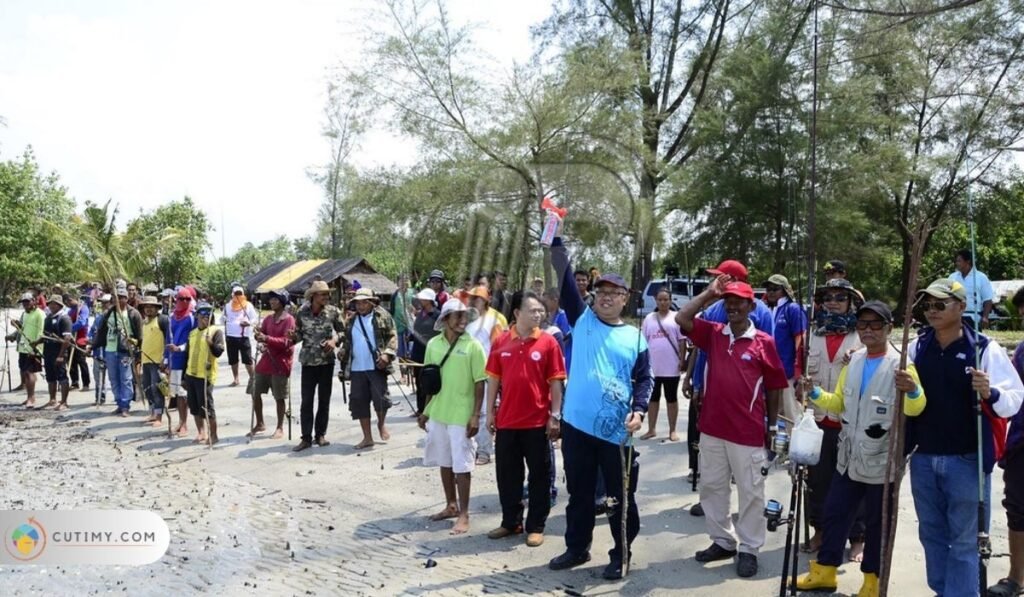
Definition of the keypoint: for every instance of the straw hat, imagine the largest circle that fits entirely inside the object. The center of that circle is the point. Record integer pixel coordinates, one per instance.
(317, 287)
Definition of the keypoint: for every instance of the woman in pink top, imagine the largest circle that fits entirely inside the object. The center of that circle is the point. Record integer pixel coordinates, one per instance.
(667, 347)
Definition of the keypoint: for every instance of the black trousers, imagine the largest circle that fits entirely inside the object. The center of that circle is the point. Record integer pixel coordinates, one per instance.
(421, 395)
(584, 455)
(78, 362)
(693, 435)
(317, 380)
(819, 479)
(513, 448)
(846, 499)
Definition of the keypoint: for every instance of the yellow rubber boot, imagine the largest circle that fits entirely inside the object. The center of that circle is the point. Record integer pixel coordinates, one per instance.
(819, 578)
(870, 586)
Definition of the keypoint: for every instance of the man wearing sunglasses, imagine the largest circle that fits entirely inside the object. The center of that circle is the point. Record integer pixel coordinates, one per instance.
(865, 393)
(833, 341)
(944, 468)
(788, 326)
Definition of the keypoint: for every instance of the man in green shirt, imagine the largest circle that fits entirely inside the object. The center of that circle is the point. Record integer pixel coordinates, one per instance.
(30, 329)
(452, 416)
(402, 313)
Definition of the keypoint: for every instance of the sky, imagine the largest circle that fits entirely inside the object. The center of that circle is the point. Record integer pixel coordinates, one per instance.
(221, 100)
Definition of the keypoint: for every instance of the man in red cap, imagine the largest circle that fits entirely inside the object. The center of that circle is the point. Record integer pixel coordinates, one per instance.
(761, 315)
(745, 381)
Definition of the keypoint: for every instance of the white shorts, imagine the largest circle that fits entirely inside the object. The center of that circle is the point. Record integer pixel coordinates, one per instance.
(448, 447)
(175, 382)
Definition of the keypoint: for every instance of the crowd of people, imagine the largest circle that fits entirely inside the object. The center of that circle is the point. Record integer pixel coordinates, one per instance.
(511, 378)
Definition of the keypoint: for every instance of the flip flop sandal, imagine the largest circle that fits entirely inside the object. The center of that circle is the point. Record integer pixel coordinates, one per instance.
(1006, 587)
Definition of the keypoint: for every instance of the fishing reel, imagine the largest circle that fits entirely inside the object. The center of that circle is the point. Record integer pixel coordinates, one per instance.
(773, 511)
(779, 452)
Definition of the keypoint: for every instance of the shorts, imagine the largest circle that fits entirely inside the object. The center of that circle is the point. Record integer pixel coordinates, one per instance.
(1013, 490)
(238, 346)
(448, 447)
(174, 379)
(194, 389)
(29, 364)
(368, 387)
(276, 384)
(55, 373)
(670, 385)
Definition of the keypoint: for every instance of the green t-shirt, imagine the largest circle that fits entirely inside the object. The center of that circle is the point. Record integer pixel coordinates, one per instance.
(31, 329)
(401, 306)
(464, 367)
(118, 321)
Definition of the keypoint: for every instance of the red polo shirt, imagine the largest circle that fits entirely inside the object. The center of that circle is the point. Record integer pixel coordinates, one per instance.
(525, 368)
(739, 372)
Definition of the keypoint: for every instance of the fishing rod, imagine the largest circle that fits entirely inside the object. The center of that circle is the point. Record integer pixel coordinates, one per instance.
(7, 352)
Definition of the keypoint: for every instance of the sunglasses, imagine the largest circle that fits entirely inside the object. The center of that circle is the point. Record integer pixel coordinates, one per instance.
(842, 297)
(937, 305)
(874, 324)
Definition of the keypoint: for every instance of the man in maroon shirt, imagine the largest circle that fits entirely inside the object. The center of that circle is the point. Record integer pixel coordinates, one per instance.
(274, 369)
(744, 381)
(528, 367)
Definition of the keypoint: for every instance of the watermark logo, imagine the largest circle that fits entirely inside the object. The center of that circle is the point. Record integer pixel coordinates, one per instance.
(118, 537)
(26, 541)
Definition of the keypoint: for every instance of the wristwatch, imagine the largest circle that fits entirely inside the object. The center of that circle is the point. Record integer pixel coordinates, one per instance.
(557, 416)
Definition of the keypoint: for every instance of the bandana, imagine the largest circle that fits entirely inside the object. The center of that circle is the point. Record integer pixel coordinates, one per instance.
(826, 323)
(183, 308)
(239, 302)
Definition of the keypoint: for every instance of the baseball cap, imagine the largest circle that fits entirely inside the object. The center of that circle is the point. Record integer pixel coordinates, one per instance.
(945, 288)
(427, 294)
(835, 266)
(731, 267)
(26, 297)
(613, 279)
(740, 289)
(479, 291)
(204, 308)
(436, 274)
(878, 308)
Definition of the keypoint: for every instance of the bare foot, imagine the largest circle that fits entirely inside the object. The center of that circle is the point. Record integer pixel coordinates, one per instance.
(649, 435)
(214, 439)
(461, 526)
(449, 512)
(150, 419)
(255, 430)
(366, 443)
(278, 433)
(200, 439)
(124, 414)
(30, 403)
(62, 406)
(181, 431)
(156, 423)
(49, 404)
(673, 437)
(857, 551)
(384, 435)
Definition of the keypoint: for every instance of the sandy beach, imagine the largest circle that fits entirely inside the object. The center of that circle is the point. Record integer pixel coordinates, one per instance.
(256, 518)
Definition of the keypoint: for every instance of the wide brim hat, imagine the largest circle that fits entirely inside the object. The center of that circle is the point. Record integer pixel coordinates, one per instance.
(838, 284)
(150, 301)
(427, 294)
(364, 294)
(783, 282)
(317, 287)
(454, 307)
(55, 299)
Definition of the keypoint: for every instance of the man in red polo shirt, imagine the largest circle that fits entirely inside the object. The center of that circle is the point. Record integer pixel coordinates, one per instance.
(528, 367)
(743, 384)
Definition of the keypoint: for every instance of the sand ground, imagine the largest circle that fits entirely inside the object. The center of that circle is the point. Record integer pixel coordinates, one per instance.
(256, 518)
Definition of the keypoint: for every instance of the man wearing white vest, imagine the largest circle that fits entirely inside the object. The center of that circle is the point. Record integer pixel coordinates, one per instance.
(866, 391)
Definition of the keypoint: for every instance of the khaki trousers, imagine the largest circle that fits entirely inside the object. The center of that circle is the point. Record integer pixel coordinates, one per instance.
(720, 460)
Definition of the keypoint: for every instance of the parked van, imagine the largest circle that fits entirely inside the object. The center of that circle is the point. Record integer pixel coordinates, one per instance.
(683, 289)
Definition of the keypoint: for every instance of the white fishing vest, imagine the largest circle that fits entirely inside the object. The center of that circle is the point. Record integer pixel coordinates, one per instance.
(824, 372)
(860, 456)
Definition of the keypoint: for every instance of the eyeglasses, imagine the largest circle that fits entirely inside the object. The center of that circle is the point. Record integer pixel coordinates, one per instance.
(842, 297)
(937, 305)
(610, 293)
(874, 324)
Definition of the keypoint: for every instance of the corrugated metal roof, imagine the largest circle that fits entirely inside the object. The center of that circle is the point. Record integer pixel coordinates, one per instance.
(296, 276)
(288, 275)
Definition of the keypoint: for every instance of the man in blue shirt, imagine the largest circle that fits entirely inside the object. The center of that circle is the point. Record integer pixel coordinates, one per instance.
(977, 287)
(788, 326)
(605, 402)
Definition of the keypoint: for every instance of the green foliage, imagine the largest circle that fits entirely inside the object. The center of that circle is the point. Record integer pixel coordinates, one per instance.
(29, 253)
(175, 236)
(220, 275)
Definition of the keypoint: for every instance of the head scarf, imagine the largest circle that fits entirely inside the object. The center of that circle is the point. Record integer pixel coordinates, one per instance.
(183, 308)
(238, 300)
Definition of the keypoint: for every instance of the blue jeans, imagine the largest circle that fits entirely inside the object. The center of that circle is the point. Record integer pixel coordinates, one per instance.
(945, 492)
(119, 368)
(151, 386)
